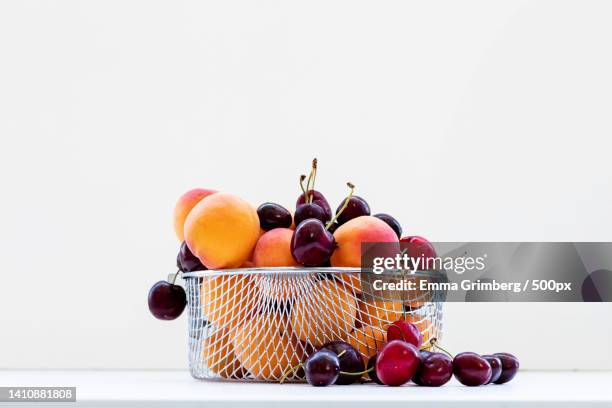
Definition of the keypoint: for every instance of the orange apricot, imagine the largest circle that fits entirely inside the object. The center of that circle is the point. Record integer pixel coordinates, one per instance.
(184, 205)
(265, 346)
(219, 357)
(368, 340)
(228, 300)
(326, 312)
(222, 231)
(353, 233)
(274, 249)
(284, 285)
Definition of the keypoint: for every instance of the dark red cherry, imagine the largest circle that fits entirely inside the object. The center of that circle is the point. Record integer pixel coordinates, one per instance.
(356, 207)
(397, 362)
(510, 366)
(272, 216)
(312, 244)
(318, 199)
(436, 369)
(471, 369)
(322, 368)
(423, 354)
(496, 367)
(306, 211)
(350, 361)
(167, 301)
(392, 222)
(186, 261)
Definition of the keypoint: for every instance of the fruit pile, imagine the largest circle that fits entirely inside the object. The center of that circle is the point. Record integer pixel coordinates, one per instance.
(222, 231)
(402, 359)
(319, 327)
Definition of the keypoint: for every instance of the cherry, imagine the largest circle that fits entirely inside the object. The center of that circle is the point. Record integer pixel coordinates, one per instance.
(372, 371)
(406, 331)
(471, 369)
(186, 261)
(305, 211)
(311, 196)
(350, 361)
(436, 369)
(419, 247)
(509, 365)
(397, 362)
(167, 300)
(392, 222)
(272, 216)
(355, 207)
(423, 354)
(311, 243)
(496, 367)
(322, 368)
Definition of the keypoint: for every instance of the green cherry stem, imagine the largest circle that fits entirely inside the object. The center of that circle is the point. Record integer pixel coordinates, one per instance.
(302, 178)
(358, 373)
(434, 343)
(314, 177)
(176, 276)
(346, 201)
(290, 370)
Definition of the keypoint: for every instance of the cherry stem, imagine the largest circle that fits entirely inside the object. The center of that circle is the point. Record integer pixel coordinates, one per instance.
(434, 343)
(176, 276)
(290, 370)
(346, 201)
(398, 328)
(359, 373)
(302, 178)
(314, 177)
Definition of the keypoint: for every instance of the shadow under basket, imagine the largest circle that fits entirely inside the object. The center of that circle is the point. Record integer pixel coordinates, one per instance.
(256, 324)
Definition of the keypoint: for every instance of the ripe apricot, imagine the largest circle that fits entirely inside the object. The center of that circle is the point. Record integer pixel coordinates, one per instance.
(351, 282)
(228, 300)
(265, 346)
(222, 231)
(353, 233)
(274, 249)
(184, 205)
(218, 355)
(368, 340)
(379, 313)
(326, 312)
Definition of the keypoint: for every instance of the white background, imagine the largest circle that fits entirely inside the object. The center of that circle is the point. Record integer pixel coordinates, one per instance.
(471, 120)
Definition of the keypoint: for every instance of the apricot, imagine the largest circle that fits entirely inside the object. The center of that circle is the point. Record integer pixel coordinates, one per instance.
(324, 313)
(265, 346)
(368, 340)
(350, 235)
(184, 205)
(228, 300)
(218, 355)
(274, 249)
(351, 282)
(379, 313)
(222, 231)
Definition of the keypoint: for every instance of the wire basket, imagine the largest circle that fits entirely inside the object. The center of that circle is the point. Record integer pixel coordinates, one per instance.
(255, 324)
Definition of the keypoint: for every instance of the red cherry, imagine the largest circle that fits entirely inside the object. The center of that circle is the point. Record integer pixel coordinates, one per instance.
(397, 363)
(406, 331)
(419, 247)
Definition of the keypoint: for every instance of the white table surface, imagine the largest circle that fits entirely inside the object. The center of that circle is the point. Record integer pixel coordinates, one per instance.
(178, 389)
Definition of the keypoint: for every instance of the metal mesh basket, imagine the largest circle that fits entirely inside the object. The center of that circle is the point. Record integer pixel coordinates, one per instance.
(255, 324)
